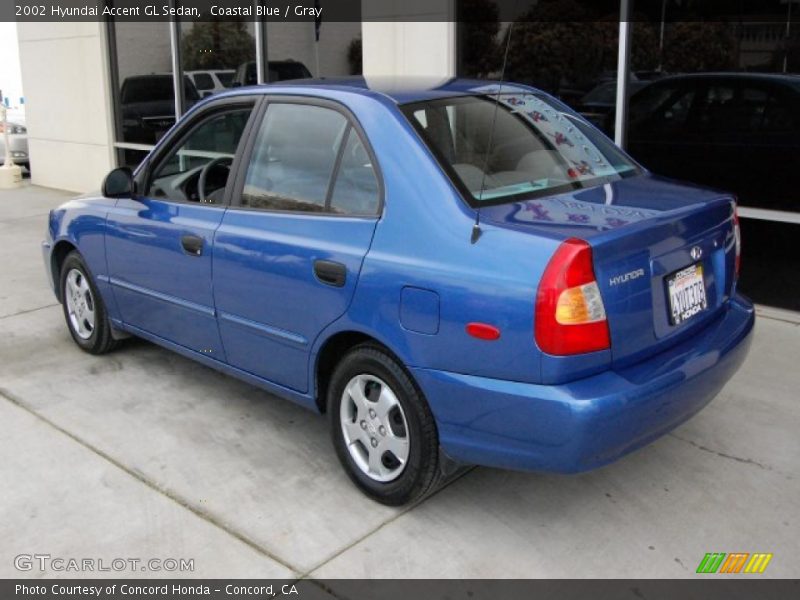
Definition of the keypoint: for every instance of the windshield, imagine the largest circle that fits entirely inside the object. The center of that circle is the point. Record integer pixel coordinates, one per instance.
(154, 88)
(529, 146)
(605, 93)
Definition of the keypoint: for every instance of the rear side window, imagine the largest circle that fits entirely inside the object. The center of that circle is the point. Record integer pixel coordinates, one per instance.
(355, 191)
(744, 109)
(309, 159)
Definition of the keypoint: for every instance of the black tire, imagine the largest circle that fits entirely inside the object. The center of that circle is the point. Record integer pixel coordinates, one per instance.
(422, 473)
(100, 341)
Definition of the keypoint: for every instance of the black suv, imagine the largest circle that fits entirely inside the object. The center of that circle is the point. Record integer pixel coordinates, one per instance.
(147, 104)
(733, 131)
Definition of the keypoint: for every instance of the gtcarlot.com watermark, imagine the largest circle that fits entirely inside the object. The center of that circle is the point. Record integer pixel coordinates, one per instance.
(256, 590)
(47, 563)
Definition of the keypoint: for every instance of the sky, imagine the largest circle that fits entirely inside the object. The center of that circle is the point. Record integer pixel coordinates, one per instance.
(10, 79)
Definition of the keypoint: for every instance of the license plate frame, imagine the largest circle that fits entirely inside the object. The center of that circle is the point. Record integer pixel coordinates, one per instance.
(686, 294)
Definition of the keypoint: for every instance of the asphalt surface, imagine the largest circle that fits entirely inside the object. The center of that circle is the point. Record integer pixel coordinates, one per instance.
(144, 454)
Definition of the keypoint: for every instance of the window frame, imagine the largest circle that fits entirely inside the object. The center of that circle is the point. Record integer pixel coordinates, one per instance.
(179, 134)
(352, 124)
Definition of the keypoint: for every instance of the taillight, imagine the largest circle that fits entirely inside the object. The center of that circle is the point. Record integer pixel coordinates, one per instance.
(737, 234)
(570, 316)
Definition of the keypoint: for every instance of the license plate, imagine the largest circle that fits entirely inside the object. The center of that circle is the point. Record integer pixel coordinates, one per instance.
(687, 294)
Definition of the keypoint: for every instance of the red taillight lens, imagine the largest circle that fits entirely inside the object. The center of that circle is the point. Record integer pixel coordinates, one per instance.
(570, 316)
(737, 233)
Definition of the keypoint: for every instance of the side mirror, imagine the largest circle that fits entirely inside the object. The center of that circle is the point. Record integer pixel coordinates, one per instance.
(118, 183)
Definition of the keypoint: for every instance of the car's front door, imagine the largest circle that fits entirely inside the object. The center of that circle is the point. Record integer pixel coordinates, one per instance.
(159, 244)
(289, 250)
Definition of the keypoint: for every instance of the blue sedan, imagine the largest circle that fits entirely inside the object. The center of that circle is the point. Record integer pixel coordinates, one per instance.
(464, 274)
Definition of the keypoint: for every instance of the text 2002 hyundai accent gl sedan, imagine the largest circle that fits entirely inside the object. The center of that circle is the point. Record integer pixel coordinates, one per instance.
(319, 240)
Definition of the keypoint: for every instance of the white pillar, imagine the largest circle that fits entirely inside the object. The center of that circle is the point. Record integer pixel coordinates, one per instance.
(395, 43)
(68, 103)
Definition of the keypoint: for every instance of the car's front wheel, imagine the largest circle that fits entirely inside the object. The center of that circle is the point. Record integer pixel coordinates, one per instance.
(382, 427)
(84, 310)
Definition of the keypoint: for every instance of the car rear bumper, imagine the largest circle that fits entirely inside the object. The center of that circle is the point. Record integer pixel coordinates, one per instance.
(590, 422)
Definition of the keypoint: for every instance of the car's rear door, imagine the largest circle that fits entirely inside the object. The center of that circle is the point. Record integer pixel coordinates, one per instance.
(290, 248)
(159, 244)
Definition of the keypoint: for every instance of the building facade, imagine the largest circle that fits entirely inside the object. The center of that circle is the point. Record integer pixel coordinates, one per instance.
(100, 94)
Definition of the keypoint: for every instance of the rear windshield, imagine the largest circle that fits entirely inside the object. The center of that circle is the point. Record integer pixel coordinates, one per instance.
(279, 71)
(517, 145)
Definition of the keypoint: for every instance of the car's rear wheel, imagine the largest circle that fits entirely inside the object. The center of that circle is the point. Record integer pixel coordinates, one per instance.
(84, 310)
(382, 428)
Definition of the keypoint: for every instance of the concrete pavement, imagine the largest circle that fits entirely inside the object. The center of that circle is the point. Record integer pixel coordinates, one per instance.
(145, 454)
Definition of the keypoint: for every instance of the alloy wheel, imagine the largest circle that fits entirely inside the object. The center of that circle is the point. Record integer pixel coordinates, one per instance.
(375, 429)
(80, 304)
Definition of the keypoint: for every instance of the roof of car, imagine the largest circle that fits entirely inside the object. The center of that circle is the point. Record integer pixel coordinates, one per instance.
(401, 90)
(777, 77)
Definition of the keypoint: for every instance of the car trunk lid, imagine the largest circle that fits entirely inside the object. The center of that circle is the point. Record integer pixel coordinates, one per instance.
(645, 232)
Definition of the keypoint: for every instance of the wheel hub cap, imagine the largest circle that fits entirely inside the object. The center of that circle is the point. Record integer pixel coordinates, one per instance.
(374, 427)
(80, 304)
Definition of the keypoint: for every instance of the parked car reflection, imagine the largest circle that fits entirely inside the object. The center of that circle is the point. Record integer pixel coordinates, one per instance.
(598, 106)
(148, 106)
(734, 131)
(279, 70)
(17, 143)
(211, 81)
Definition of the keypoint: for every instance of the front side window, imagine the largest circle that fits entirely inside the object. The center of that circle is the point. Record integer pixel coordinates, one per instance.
(310, 159)
(197, 169)
(516, 145)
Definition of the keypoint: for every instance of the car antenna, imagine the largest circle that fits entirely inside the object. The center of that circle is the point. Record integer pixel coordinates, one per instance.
(476, 228)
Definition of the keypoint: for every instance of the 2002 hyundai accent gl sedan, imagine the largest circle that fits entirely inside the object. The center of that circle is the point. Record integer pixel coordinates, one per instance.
(470, 274)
